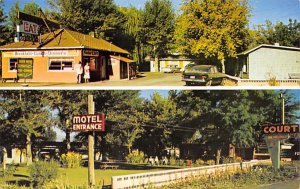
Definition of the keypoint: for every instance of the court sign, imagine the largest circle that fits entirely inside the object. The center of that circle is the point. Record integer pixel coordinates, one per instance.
(86, 123)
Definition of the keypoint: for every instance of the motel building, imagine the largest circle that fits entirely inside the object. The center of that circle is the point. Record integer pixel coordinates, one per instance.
(53, 56)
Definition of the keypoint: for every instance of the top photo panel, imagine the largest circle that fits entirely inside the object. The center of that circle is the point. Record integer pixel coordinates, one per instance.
(156, 43)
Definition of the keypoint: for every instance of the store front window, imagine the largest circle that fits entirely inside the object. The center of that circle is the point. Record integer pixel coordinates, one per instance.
(61, 64)
(13, 64)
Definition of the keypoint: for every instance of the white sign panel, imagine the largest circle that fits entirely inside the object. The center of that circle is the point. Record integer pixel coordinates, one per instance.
(61, 53)
(28, 27)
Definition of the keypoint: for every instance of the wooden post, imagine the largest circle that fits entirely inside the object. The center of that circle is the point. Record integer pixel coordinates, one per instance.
(4, 158)
(91, 172)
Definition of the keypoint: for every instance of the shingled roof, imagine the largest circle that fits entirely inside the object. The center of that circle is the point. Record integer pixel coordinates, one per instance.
(65, 39)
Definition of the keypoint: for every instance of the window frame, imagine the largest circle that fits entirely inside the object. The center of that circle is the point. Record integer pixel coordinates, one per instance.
(16, 65)
(62, 61)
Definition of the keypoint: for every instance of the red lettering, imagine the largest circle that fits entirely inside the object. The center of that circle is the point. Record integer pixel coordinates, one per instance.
(272, 129)
(294, 128)
(266, 129)
(286, 129)
(26, 26)
(279, 129)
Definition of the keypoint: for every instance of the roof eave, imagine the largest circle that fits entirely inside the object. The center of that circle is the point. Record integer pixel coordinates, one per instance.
(268, 46)
(42, 48)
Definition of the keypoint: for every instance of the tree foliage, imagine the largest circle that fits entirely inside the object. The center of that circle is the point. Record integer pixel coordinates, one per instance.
(284, 34)
(25, 117)
(158, 21)
(4, 35)
(213, 29)
(132, 31)
(100, 16)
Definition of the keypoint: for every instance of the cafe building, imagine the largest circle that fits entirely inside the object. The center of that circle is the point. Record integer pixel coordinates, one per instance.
(53, 56)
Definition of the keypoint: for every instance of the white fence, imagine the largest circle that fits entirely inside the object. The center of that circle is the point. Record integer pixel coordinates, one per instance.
(250, 82)
(166, 177)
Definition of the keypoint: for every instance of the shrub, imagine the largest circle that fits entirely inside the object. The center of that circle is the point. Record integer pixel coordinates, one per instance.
(181, 162)
(9, 171)
(273, 82)
(56, 184)
(42, 172)
(71, 159)
(210, 162)
(173, 161)
(199, 162)
(135, 157)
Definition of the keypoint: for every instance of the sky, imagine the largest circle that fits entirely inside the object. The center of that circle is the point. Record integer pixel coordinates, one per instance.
(273, 10)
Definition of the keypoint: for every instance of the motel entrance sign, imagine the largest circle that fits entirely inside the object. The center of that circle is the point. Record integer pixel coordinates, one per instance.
(85, 123)
(89, 123)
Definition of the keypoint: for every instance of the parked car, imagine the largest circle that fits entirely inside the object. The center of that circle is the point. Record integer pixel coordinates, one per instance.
(171, 69)
(203, 75)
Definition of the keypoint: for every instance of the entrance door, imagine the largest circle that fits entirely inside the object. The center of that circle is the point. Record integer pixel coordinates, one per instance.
(25, 68)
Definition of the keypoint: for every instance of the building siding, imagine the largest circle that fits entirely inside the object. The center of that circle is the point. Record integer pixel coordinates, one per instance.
(272, 63)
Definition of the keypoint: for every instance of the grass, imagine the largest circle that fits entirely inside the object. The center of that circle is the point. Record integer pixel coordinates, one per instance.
(79, 176)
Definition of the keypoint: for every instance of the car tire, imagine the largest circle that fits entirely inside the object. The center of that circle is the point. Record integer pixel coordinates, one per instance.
(208, 83)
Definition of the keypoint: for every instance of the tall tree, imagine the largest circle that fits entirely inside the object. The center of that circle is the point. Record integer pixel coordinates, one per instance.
(158, 27)
(284, 34)
(25, 117)
(162, 115)
(3, 28)
(125, 116)
(132, 30)
(214, 29)
(65, 104)
(98, 16)
(229, 117)
(32, 8)
(13, 20)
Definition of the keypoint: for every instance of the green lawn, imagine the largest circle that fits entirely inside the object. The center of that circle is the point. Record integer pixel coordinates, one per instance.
(79, 176)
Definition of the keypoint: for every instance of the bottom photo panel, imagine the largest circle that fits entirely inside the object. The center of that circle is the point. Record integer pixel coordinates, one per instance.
(121, 139)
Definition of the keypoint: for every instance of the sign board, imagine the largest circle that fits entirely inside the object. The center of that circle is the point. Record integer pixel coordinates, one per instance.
(85, 123)
(28, 28)
(280, 129)
(37, 20)
(88, 52)
(41, 53)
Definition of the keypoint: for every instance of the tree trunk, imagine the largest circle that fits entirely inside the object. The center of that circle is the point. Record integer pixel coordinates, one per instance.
(156, 63)
(129, 148)
(28, 149)
(223, 65)
(4, 158)
(68, 139)
(218, 157)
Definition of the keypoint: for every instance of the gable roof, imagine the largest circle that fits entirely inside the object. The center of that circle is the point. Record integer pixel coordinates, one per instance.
(65, 39)
(269, 46)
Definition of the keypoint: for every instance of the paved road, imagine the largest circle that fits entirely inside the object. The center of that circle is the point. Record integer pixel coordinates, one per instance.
(143, 79)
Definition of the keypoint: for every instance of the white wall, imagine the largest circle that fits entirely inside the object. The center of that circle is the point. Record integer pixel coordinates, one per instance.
(160, 178)
(267, 63)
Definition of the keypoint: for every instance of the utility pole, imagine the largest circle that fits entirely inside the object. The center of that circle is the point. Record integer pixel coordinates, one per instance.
(277, 143)
(91, 167)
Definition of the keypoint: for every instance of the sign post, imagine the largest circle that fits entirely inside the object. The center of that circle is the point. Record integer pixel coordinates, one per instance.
(273, 135)
(91, 167)
(89, 123)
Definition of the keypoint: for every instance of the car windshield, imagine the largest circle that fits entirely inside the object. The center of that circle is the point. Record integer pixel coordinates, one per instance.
(200, 68)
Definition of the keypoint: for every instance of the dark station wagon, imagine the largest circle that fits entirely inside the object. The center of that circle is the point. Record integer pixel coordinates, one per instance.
(203, 75)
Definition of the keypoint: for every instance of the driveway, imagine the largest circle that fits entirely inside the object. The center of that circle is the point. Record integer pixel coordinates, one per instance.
(143, 79)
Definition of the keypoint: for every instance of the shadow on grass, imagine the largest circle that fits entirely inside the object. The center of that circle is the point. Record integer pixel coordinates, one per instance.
(128, 166)
(21, 182)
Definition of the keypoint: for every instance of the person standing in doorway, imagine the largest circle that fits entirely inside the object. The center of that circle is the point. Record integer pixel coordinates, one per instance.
(79, 71)
(86, 73)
